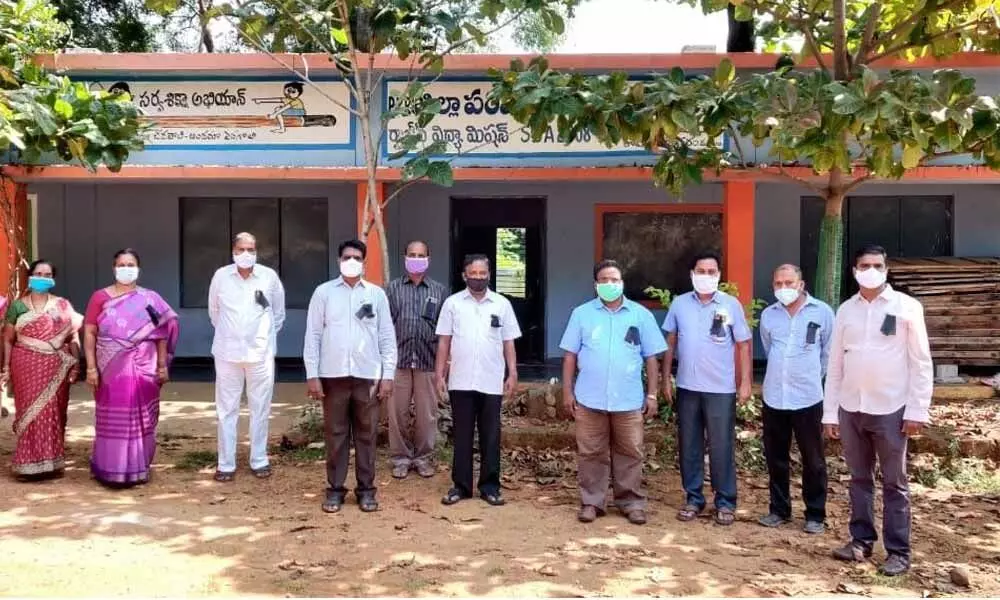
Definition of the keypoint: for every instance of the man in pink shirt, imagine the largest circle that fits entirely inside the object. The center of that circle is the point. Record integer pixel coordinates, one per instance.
(878, 394)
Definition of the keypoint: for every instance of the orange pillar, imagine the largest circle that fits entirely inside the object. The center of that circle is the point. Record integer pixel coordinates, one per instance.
(373, 262)
(737, 236)
(15, 200)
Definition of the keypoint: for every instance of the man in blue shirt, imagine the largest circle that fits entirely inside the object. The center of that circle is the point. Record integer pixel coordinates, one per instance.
(707, 328)
(796, 332)
(608, 341)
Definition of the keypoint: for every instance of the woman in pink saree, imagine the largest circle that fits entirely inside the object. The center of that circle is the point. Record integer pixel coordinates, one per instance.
(129, 338)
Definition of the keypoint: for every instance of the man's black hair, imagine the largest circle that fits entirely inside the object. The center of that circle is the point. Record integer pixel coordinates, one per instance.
(356, 244)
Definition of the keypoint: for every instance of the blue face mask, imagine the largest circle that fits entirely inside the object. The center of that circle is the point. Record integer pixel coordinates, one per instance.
(40, 285)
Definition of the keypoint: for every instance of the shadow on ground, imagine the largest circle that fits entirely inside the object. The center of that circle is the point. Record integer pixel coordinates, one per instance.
(185, 535)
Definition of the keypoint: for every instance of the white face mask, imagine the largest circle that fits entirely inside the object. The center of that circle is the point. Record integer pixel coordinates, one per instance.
(871, 278)
(786, 295)
(126, 275)
(705, 284)
(245, 260)
(351, 267)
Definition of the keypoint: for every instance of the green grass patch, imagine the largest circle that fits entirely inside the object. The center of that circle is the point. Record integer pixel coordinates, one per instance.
(305, 454)
(197, 460)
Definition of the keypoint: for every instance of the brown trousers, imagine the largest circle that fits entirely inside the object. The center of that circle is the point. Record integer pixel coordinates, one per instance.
(350, 410)
(412, 412)
(609, 445)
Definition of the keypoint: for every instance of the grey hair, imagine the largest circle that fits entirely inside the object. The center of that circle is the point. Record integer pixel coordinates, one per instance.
(243, 236)
(786, 266)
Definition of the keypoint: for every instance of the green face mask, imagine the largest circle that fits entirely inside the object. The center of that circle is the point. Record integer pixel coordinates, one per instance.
(609, 292)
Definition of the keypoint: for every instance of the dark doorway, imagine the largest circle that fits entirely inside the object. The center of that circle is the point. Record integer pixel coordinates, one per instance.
(915, 226)
(511, 232)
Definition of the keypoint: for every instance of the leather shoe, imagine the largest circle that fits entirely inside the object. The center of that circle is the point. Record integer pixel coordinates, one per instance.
(894, 566)
(636, 517)
(587, 514)
(852, 552)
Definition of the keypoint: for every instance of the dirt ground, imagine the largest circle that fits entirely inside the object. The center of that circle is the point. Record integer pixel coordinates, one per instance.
(185, 535)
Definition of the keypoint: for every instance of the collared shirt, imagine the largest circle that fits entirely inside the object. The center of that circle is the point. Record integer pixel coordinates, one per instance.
(875, 367)
(706, 359)
(415, 308)
(611, 346)
(797, 349)
(478, 330)
(245, 330)
(343, 338)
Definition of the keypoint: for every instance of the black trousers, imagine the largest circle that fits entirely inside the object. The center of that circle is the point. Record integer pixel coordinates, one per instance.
(469, 411)
(807, 426)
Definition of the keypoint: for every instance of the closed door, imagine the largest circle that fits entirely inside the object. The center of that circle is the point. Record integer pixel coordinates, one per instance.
(511, 233)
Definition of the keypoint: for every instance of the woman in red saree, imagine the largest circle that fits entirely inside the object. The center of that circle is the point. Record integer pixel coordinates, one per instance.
(40, 362)
(129, 337)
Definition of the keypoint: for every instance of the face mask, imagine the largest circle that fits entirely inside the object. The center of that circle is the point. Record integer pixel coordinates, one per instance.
(705, 284)
(40, 285)
(245, 260)
(417, 266)
(786, 295)
(871, 278)
(477, 285)
(609, 292)
(351, 267)
(126, 275)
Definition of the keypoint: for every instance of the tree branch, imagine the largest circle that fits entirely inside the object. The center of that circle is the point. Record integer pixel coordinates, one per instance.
(858, 181)
(900, 28)
(840, 67)
(801, 180)
(869, 35)
(458, 155)
(906, 45)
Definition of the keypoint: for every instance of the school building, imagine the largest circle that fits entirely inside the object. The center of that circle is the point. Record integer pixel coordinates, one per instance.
(220, 160)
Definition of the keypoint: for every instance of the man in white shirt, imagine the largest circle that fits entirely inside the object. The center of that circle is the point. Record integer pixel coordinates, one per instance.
(350, 344)
(246, 304)
(878, 393)
(476, 330)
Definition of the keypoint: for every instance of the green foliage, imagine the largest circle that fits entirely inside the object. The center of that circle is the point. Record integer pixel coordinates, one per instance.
(846, 121)
(42, 113)
(753, 308)
(354, 33)
(750, 453)
(108, 25)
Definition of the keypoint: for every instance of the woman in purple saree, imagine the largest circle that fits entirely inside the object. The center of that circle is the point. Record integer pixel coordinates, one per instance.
(129, 338)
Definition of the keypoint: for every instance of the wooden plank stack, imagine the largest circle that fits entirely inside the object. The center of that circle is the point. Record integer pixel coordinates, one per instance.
(961, 298)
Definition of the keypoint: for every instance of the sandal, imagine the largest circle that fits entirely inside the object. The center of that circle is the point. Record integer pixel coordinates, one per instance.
(725, 517)
(262, 473)
(223, 477)
(688, 512)
(368, 504)
(333, 504)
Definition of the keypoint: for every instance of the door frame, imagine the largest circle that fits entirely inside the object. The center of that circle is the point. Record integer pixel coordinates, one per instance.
(490, 218)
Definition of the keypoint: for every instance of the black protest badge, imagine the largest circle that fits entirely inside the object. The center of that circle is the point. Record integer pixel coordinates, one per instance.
(889, 325)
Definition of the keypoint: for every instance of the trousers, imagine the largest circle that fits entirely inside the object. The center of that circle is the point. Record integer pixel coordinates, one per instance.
(865, 438)
(230, 379)
(350, 411)
(609, 445)
(698, 414)
(472, 411)
(806, 425)
(412, 435)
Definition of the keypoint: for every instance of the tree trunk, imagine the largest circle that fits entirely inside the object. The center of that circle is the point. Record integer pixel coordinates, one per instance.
(830, 265)
(15, 237)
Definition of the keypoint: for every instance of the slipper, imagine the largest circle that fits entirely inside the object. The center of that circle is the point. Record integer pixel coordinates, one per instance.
(262, 473)
(725, 517)
(688, 512)
(223, 477)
